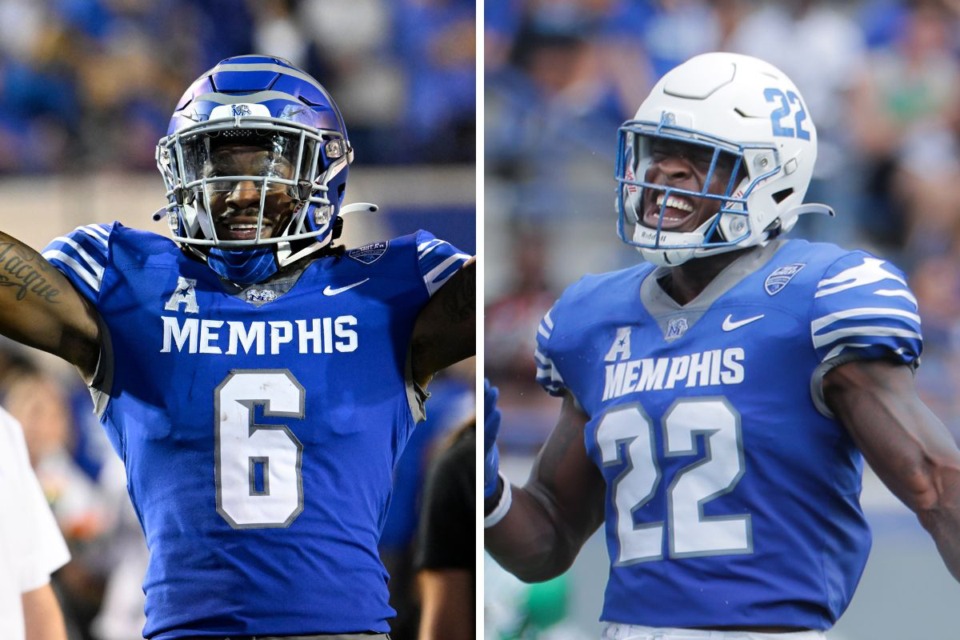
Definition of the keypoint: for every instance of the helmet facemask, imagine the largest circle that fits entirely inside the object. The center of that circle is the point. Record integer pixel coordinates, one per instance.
(200, 169)
(255, 164)
(724, 231)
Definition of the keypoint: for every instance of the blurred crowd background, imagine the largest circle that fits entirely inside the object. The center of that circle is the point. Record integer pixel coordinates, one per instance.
(90, 84)
(86, 90)
(881, 80)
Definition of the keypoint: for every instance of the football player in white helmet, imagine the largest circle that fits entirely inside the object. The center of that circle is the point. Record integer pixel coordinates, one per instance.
(745, 127)
(719, 398)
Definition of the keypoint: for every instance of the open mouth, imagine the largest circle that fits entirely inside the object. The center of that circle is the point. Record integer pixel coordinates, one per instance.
(675, 213)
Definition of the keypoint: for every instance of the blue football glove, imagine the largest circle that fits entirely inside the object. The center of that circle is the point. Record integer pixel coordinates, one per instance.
(491, 427)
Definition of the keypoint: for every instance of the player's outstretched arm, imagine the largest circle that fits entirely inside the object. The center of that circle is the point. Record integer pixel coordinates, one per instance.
(446, 329)
(906, 445)
(553, 514)
(40, 308)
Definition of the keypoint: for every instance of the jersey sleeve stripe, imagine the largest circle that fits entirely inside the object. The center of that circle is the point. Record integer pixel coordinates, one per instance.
(424, 248)
(97, 232)
(452, 261)
(825, 321)
(81, 272)
(543, 331)
(92, 264)
(863, 308)
(547, 375)
(83, 256)
(545, 327)
(548, 321)
(892, 293)
(437, 276)
(869, 272)
(826, 339)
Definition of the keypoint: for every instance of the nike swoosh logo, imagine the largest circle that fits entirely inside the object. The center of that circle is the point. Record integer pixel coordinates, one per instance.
(729, 324)
(330, 291)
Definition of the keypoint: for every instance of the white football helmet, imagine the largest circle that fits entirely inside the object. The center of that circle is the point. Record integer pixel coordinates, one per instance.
(729, 104)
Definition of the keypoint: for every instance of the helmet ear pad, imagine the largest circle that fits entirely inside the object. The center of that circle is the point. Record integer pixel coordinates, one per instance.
(733, 220)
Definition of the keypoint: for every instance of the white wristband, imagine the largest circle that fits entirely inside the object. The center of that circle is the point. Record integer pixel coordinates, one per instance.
(506, 499)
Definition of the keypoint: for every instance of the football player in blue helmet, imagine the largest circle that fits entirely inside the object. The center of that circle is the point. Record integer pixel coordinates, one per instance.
(719, 399)
(255, 162)
(258, 385)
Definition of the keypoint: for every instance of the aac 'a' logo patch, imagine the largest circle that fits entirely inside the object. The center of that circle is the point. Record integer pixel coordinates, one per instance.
(782, 276)
(368, 253)
(185, 294)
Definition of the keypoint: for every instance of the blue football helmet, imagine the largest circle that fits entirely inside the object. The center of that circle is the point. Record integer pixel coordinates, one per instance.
(268, 103)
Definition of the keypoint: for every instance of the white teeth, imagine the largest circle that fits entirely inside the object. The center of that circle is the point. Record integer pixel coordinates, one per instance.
(675, 203)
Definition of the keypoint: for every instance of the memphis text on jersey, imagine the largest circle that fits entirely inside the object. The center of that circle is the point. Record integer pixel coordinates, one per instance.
(232, 337)
(707, 368)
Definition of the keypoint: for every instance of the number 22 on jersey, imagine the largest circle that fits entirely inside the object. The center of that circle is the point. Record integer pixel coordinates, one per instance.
(625, 437)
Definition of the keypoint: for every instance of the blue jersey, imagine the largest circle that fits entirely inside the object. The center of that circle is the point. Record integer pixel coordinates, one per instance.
(732, 494)
(259, 428)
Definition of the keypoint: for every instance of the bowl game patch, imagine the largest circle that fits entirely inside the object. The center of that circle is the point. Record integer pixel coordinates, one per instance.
(369, 253)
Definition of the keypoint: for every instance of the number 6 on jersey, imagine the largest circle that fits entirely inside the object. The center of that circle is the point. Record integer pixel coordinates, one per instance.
(258, 475)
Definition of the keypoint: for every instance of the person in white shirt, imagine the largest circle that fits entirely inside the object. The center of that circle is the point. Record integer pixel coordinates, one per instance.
(31, 545)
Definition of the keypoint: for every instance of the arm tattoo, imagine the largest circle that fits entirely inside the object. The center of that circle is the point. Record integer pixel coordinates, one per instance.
(27, 272)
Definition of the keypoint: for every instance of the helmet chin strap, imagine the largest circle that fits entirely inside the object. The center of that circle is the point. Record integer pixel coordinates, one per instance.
(666, 257)
(683, 245)
(688, 244)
